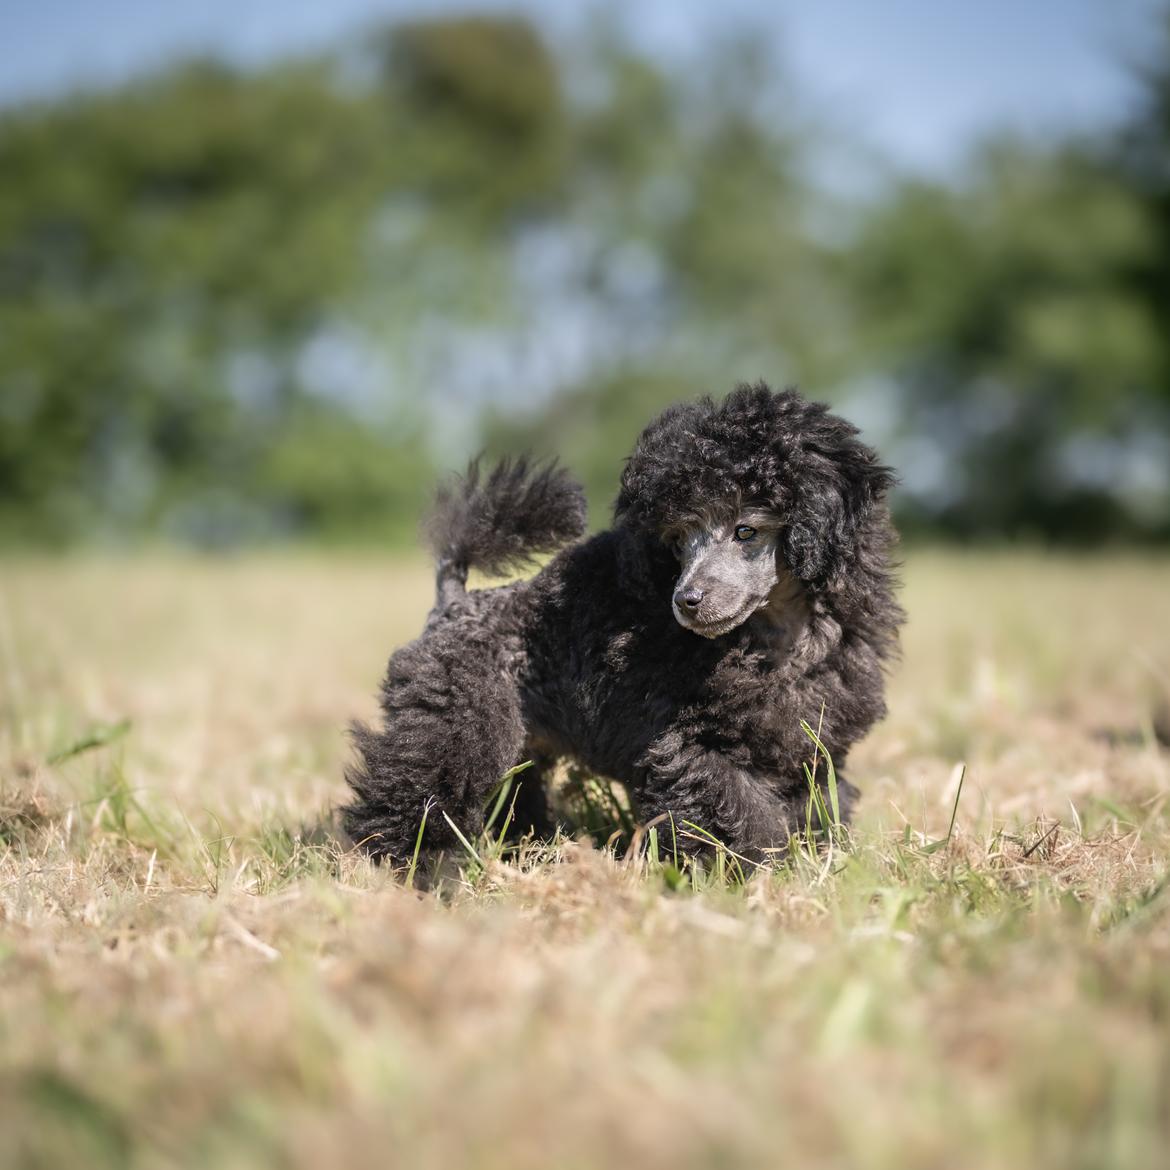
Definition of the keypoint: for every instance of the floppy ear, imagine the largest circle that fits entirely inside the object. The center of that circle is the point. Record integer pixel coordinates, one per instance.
(836, 483)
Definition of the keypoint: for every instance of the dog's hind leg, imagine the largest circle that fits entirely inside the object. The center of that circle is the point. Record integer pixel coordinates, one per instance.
(451, 729)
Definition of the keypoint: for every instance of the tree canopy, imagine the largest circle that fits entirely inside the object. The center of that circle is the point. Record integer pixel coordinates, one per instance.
(243, 304)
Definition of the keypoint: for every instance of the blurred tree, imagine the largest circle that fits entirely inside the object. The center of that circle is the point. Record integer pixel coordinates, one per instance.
(236, 304)
(148, 238)
(1143, 157)
(692, 203)
(483, 112)
(169, 250)
(1005, 310)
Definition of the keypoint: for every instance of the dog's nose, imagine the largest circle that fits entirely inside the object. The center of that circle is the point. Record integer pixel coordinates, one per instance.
(688, 598)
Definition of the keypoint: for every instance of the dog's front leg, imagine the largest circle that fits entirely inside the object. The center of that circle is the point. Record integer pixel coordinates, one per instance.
(709, 798)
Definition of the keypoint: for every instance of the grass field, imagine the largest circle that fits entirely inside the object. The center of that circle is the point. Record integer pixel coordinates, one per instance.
(193, 974)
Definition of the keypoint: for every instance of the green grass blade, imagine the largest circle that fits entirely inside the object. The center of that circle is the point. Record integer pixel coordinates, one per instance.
(98, 736)
(502, 790)
(462, 839)
(418, 840)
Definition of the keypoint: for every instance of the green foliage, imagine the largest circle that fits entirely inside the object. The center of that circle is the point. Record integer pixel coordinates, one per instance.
(483, 97)
(1007, 310)
(239, 304)
(164, 255)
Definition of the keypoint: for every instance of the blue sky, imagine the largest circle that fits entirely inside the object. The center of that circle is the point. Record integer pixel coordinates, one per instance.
(920, 78)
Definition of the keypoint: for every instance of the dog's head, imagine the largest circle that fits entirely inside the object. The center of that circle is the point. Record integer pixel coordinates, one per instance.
(728, 567)
(752, 495)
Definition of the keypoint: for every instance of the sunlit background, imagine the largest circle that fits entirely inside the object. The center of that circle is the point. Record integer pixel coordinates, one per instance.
(267, 269)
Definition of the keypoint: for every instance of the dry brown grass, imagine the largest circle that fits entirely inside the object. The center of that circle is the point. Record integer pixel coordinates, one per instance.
(191, 975)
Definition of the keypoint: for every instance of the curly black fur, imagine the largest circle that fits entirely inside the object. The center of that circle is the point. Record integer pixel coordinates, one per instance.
(586, 660)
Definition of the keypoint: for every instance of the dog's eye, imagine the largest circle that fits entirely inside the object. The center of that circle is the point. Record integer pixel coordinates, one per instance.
(744, 532)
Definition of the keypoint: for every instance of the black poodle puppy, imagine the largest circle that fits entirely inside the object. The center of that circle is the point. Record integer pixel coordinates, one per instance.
(745, 586)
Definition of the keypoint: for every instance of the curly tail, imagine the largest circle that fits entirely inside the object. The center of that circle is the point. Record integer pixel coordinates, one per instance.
(499, 522)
